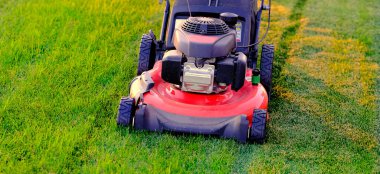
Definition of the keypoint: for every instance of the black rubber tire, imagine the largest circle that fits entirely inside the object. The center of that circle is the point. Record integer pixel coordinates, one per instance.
(147, 55)
(258, 129)
(126, 111)
(266, 67)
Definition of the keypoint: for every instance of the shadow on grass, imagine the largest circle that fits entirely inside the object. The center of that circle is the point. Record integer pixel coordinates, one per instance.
(247, 153)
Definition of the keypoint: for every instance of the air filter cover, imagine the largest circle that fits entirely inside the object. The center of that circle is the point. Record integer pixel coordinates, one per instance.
(205, 26)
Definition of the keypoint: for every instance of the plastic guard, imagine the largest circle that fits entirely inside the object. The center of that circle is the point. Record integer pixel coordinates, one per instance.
(153, 119)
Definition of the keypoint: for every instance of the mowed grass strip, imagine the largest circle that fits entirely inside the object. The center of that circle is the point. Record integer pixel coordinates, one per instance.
(65, 64)
(324, 113)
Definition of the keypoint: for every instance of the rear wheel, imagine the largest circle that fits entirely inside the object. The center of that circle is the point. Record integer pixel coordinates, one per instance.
(147, 55)
(258, 129)
(126, 111)
(266, 67)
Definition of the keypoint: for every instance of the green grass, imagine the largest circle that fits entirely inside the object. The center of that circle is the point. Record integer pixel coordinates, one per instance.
(65, 64)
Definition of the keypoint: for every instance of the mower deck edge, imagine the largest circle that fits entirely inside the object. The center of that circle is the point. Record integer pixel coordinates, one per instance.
(153, 119)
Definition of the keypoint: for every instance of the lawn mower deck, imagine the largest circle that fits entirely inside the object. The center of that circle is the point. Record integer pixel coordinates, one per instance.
(162, 106)
(201, 81)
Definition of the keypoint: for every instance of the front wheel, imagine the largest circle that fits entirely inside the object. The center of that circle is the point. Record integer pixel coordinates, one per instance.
(259, 125)
(126, 111)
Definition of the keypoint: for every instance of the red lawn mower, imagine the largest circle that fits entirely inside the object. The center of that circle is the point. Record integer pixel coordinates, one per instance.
(201, 76)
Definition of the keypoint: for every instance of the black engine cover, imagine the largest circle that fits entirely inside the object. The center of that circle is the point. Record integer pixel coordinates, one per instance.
(231, 70)
(225, 70)
(172, 67)
(240, 70)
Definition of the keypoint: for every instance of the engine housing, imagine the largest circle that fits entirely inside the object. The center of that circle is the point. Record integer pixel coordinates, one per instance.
(205, 60)
(204, 38)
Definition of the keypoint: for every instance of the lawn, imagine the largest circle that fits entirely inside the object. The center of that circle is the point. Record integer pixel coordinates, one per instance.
(64, 64)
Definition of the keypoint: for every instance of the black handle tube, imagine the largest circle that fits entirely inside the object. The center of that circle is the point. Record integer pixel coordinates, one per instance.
(256, 35)
(165, 21)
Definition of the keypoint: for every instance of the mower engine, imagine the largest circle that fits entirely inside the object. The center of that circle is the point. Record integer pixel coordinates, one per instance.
(205, 60)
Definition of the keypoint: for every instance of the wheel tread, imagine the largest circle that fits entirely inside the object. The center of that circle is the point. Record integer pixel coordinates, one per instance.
(125, 114)
(258, 128)
(266, 67)
(146, 54)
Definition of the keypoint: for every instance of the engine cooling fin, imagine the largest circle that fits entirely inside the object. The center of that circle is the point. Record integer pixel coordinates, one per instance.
(205, 26)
